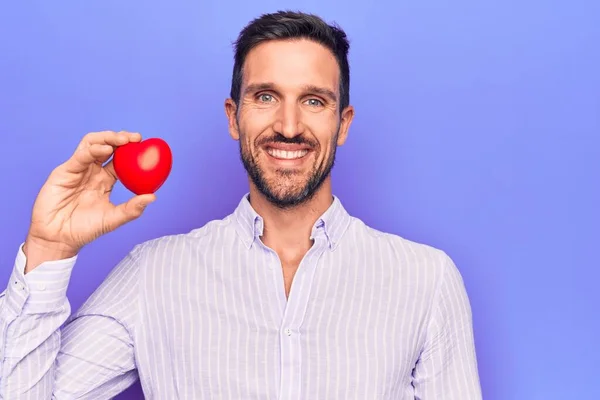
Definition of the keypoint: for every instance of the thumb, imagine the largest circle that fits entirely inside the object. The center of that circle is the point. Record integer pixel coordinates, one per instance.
(130, 210)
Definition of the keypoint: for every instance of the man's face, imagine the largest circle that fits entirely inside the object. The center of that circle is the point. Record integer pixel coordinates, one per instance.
(287, 120)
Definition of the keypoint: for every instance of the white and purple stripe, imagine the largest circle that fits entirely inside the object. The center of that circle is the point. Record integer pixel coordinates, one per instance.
(203, 315)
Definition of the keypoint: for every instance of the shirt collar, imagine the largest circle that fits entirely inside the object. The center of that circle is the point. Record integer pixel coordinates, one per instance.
(331, 224)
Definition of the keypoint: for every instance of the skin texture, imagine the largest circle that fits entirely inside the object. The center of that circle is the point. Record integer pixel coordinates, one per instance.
(289, 95)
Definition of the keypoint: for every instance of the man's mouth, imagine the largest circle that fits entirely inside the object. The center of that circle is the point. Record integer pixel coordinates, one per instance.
(286, 154)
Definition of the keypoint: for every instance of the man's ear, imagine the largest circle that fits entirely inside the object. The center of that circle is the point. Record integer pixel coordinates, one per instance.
(231, 112)
(346, 120)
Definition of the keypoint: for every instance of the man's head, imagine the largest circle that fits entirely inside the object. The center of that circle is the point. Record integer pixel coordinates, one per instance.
(289, 104)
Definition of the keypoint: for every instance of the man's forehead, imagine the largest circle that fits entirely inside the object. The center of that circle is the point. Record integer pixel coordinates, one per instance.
(297, 63)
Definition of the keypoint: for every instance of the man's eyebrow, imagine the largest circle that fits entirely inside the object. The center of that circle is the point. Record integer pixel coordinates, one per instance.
(257, 87)
(322, 91)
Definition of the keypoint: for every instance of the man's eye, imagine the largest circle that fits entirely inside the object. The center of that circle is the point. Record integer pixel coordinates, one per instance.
(265, 97)
(315, 102)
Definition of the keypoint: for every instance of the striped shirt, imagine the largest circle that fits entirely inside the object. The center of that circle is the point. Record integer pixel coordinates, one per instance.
(204, 315)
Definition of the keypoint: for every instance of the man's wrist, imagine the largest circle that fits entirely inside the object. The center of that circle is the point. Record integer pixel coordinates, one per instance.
(39, 251)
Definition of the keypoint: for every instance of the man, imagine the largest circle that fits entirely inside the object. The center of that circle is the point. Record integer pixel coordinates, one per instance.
(288, 297)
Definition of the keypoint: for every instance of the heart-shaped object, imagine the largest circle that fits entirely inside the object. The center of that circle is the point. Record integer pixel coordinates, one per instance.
(143, 167)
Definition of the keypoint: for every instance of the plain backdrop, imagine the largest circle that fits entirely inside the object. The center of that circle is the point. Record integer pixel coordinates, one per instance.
(477, 132)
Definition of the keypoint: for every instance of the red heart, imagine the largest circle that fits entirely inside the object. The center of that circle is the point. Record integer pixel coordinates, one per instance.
(143, 166)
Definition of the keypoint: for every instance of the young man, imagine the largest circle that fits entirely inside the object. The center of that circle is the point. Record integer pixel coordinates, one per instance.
(288, 297)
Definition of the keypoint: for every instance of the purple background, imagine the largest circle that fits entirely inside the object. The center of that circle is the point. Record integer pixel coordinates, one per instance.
(477, 131)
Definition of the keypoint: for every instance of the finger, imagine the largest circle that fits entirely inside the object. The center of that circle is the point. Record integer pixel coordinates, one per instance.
(84, 157)
(128, 211)
(101, 152)
(111, 138)
(94, 147)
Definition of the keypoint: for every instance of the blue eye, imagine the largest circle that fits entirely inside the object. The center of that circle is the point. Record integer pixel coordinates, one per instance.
(265, 97)
(315, 102)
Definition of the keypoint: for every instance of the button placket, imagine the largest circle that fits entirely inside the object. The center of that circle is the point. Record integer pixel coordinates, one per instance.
(291, 342)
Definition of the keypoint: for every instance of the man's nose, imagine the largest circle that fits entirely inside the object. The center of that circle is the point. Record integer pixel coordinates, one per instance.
(289, 120)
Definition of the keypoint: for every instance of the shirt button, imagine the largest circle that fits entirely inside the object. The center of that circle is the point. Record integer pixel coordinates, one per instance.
(41, 287)
(288, 332)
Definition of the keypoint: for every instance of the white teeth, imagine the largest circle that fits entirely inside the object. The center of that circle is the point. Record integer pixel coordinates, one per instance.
(288, 155)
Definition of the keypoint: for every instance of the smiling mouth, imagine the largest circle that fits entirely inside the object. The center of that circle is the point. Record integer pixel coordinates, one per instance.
(286, 154)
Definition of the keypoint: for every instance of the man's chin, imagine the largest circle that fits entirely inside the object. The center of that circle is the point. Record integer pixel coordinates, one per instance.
(278, 173)
(285, 198)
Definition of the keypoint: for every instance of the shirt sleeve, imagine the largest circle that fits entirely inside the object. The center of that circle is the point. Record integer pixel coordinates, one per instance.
(46, 353)
(447, 367)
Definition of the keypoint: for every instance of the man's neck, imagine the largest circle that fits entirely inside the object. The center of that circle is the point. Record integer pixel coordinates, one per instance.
(288, 230)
